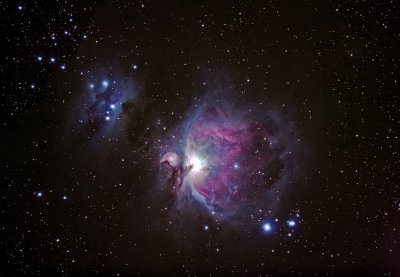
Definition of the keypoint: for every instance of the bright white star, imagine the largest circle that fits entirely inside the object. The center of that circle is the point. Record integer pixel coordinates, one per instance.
(267, 227)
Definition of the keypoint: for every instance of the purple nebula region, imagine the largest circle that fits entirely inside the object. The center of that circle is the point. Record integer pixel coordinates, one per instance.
(231, 162)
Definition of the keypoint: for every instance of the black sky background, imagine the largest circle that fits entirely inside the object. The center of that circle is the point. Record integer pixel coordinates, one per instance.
(330, 67)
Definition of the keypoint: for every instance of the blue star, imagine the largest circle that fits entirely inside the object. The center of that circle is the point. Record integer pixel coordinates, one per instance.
(291, 223)
(267, 227)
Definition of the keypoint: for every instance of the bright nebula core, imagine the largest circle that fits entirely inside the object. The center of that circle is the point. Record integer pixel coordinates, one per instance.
(230, 162)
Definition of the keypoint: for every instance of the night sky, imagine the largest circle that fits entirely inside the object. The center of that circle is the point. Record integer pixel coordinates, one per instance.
(200, 137)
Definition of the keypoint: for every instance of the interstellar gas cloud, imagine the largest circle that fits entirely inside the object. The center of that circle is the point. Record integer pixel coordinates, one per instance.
(231, 162)
(98, 109)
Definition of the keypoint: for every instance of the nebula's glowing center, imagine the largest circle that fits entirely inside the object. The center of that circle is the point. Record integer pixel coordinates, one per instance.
(197, 169)
(196, 164)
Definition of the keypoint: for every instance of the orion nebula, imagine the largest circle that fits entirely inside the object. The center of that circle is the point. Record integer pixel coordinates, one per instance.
(231, 162)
